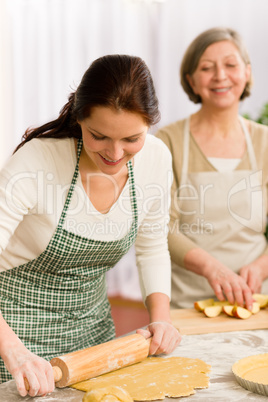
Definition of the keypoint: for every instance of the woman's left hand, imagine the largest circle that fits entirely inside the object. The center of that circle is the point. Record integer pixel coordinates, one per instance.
(253, 277)
(165, 337)
(255, 273)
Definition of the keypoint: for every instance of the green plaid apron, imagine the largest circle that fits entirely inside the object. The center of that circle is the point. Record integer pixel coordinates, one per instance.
(58, 303)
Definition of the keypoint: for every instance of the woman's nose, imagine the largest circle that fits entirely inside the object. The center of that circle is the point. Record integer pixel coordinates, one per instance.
(220, 72)
(115, 152)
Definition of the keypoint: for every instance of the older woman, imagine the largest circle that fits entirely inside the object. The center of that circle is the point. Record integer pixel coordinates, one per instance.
(219, 197)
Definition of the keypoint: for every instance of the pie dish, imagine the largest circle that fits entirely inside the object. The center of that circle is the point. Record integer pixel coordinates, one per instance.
(252, 373)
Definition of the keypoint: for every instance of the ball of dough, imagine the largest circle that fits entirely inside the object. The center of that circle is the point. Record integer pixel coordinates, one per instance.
(107, 394)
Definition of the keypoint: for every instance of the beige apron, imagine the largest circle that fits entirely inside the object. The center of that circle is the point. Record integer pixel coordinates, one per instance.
(225, 214)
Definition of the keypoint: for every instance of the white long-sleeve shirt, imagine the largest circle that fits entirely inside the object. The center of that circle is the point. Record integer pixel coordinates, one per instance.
(33, 188)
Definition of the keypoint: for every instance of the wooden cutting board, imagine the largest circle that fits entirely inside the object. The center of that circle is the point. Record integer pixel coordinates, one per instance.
(191, 321)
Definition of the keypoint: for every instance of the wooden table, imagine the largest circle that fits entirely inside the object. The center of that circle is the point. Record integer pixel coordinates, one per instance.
(220, 350)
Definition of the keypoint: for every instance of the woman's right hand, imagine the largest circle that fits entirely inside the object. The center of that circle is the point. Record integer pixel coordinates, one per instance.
(21, 364)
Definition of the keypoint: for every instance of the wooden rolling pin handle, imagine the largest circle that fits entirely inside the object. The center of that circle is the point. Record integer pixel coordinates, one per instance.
(57, 373)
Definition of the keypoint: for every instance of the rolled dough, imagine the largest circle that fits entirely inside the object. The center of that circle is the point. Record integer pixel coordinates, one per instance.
(154, 378)
(112, 393)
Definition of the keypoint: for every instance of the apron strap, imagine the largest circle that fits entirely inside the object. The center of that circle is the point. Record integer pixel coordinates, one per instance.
(251, 153)
(186, 141)
(72, 186)
(132, 192)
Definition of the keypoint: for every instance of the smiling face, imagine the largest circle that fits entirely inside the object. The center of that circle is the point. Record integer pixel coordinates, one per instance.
(221, 75)
(111, 138)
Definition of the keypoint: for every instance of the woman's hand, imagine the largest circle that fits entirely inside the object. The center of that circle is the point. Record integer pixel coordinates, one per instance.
(252, 275)
(229, 285)
(255, 273)
(165, 337)
(225, 283)
(21, 364)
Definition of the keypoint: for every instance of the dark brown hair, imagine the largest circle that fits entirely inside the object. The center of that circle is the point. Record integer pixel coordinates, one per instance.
(117, 81)
(196, 49)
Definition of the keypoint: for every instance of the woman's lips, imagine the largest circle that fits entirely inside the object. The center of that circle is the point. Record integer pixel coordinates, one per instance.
(109, 161)
(220, 90)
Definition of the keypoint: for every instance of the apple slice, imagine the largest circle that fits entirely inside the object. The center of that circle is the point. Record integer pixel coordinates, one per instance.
(212, 311)
(228, 310)
(261, 299)
(241, 312)
(221, 303)
(200, 305)
(255, 308)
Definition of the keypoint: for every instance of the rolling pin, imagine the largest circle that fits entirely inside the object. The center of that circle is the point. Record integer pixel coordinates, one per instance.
(100, 359)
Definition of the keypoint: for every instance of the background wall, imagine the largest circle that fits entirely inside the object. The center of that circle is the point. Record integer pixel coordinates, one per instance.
(46, 45)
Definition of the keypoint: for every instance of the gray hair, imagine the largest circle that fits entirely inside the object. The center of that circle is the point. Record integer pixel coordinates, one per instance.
(196, 49)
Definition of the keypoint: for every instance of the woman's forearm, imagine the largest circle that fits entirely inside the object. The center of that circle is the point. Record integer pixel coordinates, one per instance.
(199, 261)
(8, 338)
(158, 307)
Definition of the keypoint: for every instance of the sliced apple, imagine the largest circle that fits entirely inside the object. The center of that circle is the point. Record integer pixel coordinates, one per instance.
(261, 299)
(241, 312)
(228, 310)
(200, 305)
(212, 311)
(221, 303)
(255, 308)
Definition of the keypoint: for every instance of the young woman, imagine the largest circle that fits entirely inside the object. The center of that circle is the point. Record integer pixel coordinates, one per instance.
(219, 197)
(76, 194)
